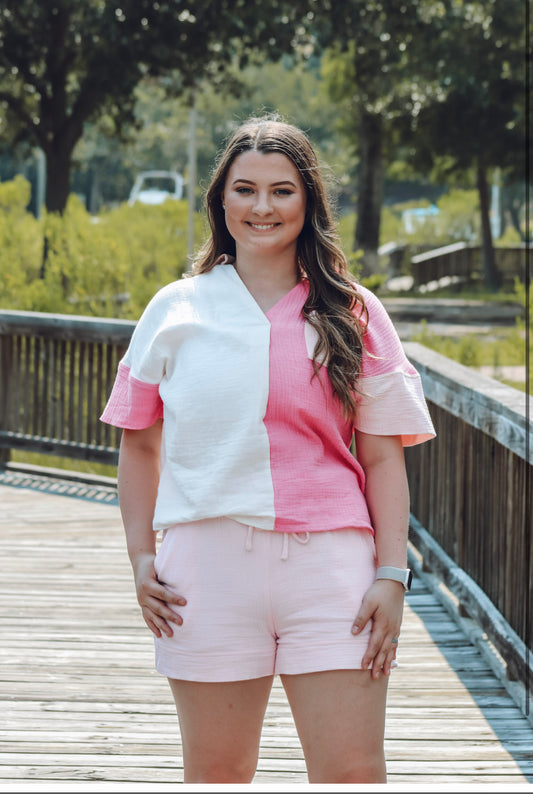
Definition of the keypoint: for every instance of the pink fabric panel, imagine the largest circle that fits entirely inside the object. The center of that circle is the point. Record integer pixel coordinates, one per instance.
(133, 404)
(310, 461)
(384, 353)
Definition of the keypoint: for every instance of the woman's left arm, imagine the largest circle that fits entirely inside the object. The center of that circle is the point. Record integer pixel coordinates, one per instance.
(387, 497)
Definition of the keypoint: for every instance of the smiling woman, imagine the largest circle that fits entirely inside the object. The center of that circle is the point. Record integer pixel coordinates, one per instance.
(264, 202)
(281, 552)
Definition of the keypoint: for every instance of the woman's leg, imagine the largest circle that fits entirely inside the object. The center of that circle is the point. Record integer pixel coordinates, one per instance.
(340, 719)
(220, 726)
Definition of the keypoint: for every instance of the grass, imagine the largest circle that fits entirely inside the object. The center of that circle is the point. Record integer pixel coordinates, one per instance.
(475, 292)
(505, 348)
(473, 350)
(65, 464)
(519, 386)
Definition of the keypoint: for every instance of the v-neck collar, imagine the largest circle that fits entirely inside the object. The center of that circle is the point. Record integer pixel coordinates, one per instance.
(292, 299)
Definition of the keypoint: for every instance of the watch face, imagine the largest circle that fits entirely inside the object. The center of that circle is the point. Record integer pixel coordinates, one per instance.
(409, 580)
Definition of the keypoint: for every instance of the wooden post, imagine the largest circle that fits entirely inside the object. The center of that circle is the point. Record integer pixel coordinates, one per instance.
(5, 368)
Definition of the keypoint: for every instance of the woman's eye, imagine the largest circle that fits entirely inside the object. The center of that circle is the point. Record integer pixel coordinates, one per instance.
(283, 191)
(243, 190)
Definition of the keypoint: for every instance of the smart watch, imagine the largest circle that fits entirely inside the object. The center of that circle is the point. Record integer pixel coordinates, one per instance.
(403, 575)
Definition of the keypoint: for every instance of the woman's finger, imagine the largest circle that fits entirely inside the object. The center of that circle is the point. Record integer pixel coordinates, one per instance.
(160, 608)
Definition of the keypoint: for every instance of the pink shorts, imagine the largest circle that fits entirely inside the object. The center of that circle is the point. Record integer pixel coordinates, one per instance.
(263, 603)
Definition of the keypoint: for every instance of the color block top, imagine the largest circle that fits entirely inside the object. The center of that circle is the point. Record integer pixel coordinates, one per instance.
(247, 432)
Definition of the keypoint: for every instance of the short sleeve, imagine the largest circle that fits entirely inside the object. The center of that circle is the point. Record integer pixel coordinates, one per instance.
(391, 397)
(135, 402)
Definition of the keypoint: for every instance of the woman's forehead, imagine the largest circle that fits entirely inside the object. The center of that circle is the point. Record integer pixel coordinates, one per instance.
(254, 164)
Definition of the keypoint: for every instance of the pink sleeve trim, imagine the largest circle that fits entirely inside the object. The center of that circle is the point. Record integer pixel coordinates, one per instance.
(394, 405)
(133, 404)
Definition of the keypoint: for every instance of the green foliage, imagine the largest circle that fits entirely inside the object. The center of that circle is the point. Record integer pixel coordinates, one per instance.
(346, 226)
(525, 297)
(474, 114)
(510, 237)
(63, 463)
(14, 197)
(162, 138)
(106, 266)
(520, 291)
(472, 350)
(63, 64)
(457, 220)
(374, 282)
(458, 217)
(20, 242)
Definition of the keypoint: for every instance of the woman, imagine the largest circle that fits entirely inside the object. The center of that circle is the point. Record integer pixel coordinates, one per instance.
(240, 396)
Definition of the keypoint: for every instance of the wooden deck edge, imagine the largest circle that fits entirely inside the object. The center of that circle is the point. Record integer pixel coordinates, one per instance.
(483, 624)
(67, 475)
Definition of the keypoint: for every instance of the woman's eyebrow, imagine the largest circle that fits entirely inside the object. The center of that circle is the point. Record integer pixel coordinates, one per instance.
(274, 184)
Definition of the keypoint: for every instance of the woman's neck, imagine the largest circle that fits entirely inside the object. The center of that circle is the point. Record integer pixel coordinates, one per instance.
(267, 282)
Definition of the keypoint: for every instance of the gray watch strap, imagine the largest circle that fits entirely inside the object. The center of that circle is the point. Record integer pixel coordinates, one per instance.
(402, 575)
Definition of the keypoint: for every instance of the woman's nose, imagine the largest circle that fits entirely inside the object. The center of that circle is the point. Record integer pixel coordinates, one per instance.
(262, 203)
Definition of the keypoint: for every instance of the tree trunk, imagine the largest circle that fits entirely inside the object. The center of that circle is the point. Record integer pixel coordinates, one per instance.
(491, 278)
(370, 190)
(58, 166)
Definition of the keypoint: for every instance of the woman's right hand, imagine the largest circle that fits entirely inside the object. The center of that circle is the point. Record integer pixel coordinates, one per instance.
(154, 598)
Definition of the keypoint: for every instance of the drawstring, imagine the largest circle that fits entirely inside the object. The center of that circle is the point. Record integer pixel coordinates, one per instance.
(299, 537)
(248, 544)
(285, 546)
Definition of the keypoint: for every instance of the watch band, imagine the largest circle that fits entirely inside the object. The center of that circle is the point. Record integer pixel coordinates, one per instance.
(403, 575)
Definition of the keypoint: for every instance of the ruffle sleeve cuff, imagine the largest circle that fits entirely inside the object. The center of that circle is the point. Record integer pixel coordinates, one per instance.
(393, 404)
(133, 404)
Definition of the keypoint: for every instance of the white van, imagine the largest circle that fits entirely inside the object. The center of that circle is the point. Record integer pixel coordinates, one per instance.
(155, 187)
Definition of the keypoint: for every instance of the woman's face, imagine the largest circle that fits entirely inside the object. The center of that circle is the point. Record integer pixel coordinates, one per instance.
(265, 204)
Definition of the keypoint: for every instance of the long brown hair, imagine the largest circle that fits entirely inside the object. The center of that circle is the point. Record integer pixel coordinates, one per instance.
(333, 307)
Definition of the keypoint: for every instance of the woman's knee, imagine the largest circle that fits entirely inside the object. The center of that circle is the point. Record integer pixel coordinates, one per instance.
(220, 770)
(356, 770)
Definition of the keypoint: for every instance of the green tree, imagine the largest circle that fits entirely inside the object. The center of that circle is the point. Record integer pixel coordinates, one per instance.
(375, 70)
(64, 63)
(443, 78)
(160, 139)
(474, 120)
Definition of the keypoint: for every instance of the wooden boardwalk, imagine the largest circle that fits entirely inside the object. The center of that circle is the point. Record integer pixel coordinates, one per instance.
(81, 703)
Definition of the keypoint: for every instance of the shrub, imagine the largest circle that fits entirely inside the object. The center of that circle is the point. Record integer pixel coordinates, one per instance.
(108, 266)
(475, 351)
(20, 242)
(457, 219)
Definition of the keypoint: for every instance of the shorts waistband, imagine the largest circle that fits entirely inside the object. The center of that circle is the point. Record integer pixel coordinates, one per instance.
(300, 537)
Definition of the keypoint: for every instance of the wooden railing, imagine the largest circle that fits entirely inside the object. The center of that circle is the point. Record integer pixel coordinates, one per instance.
(470, 487)
(471, 490)
(56, 373)
(463, 260)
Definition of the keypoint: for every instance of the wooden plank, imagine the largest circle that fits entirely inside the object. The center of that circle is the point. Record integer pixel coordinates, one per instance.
(81, 700)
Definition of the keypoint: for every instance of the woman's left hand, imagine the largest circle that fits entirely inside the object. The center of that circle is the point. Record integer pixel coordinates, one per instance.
(383, 605)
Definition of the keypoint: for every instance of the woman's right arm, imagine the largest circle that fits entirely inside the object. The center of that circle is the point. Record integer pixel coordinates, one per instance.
(138, 480)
